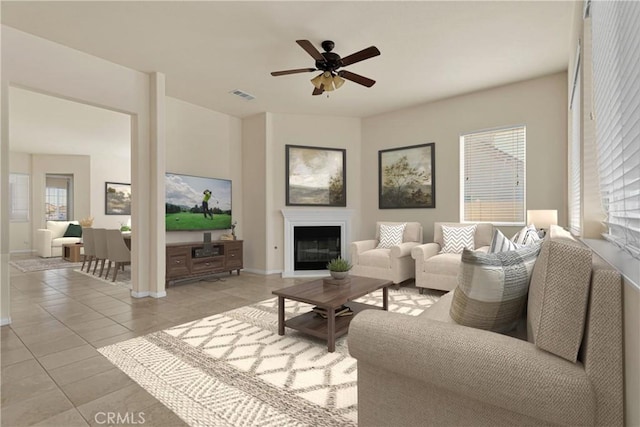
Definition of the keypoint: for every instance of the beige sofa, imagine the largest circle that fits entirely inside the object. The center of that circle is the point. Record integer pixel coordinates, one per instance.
(48, 241)
(440, 271)
(428, 370)
(394, 263)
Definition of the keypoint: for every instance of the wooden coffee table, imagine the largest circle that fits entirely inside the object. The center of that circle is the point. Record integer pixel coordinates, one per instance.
(330, 298)
(71, 252)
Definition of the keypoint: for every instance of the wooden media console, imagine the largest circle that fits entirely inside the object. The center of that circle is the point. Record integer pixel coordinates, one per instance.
(187, 261)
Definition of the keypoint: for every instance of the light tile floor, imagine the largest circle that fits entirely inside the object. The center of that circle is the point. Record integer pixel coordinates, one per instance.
(52, 374)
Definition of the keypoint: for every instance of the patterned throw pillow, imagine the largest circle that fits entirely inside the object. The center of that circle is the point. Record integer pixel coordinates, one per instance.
(527, 236)
(390, 235)
(455, 239)
(492, 288)
(500, 243)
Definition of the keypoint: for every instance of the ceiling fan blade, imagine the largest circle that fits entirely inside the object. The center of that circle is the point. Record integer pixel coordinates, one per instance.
(357, 78)
(317, 91)
(297, 70)
(310, 49)
(367, 53)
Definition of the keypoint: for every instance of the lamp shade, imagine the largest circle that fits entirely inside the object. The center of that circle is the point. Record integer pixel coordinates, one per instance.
(542, 218)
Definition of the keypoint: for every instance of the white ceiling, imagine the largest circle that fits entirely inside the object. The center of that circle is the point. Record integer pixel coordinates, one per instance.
(430, 49)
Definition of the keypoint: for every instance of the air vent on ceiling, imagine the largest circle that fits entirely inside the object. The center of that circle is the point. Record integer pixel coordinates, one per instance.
(243, 95)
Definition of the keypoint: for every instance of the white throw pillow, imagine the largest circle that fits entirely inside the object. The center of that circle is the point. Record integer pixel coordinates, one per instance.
(390, 235)
(500, 243)
(527, 236)
(455, 239)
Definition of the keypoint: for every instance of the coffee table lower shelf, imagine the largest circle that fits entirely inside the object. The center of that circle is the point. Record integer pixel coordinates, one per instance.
(312, 324)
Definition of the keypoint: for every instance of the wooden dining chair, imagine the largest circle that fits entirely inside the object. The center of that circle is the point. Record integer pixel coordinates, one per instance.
(118, 252)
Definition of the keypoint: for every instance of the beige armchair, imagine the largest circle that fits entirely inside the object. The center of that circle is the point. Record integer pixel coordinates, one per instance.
(440, 271)
(394, 263)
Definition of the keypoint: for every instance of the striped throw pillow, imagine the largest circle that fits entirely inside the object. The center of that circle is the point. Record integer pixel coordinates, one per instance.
(455, 239)
(500, 243)
(492, 288)
(527, 236)
(390, 235)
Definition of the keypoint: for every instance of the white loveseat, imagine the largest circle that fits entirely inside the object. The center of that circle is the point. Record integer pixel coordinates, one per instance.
(48, 241)
(435, 270)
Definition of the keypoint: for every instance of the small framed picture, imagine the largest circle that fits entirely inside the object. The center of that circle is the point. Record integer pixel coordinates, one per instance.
(117, 199)
(406, 177)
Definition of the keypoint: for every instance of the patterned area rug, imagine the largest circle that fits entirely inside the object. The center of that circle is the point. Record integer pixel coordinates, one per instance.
(123, 279)
(40, 264)
(233, 369)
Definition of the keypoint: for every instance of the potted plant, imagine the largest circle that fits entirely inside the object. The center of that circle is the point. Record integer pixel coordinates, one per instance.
(339, 268)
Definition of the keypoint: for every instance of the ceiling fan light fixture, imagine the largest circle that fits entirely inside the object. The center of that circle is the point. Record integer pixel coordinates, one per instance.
(338, 81)
(317, 81)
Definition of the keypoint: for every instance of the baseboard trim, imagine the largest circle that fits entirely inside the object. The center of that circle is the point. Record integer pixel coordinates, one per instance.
(139, 294)
(5, 321)
(158, 294)
(262, 272)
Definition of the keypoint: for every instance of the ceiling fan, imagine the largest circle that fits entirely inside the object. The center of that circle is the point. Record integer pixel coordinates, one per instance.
(329, 62)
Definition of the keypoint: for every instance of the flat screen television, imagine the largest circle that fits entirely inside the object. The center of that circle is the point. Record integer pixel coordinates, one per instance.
(197, 203)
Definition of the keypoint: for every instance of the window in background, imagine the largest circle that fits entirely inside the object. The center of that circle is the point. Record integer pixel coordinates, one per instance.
(19, 197)
(616, 81)
(59, 197)
(492, 167)
(575, 151)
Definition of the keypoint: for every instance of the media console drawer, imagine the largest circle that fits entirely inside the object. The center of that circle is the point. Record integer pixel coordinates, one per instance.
(193, 260)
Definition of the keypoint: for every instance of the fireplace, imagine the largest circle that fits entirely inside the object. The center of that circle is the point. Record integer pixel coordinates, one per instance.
(314, 247)
(327, 220)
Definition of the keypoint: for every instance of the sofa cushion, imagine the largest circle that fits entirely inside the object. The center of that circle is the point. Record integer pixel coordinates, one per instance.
(375, 258)
(526, 236)
(57, 228)
(73, 230)
(390, 235)
(558, 297)
(456, 239)
(56, 243)
(448, 264)
(501, 243)
(492, 288)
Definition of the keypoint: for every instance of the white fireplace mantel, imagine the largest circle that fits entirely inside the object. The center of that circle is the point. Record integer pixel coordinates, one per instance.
(313, 218)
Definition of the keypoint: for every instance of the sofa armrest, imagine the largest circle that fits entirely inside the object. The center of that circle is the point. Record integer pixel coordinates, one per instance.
(403, 249)
(480, 365)
(426, 251)
(42, 242)
(362, 245)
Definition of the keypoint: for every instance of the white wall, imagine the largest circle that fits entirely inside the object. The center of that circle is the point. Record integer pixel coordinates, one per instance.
(540, 104)
(255, 131)
(20, 237)
(206, 143)
(107, 168)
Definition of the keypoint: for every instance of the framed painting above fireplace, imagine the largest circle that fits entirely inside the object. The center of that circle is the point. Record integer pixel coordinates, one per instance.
(316, 176)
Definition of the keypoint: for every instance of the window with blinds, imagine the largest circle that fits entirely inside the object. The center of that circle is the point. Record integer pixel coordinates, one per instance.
(575, 151)
(492, 166)
(19, 197)
(616, 80)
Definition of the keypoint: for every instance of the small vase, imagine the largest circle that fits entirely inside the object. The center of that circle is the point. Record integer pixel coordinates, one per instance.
(339, 274)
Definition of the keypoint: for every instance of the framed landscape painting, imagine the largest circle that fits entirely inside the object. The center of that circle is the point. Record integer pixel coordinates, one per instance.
(316, 176)
(407, 177)
(117, 199)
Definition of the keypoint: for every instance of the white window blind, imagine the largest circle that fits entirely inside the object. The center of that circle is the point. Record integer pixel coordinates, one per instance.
(575, 158)
(492, 165)
(19, 197)
(616, 80)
